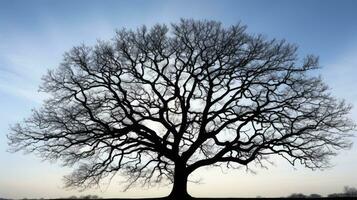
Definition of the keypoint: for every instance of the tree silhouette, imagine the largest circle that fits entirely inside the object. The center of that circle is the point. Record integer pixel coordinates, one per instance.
(156, 104)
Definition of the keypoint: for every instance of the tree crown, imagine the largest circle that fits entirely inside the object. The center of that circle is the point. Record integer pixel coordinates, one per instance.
(192, 95)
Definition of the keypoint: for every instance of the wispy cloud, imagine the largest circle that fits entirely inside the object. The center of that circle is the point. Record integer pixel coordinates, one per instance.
(340, 75)
(25, 58)
(20, 75)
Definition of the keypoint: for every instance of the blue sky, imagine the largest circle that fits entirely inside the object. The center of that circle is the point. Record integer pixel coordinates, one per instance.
(35, 34)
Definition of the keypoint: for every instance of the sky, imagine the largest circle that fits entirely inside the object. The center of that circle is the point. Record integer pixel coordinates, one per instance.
(35, 34)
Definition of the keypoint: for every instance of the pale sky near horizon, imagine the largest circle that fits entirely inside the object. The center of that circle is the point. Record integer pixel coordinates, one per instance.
(35, 34)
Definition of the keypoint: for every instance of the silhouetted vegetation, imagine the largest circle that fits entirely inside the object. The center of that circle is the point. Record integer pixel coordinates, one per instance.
(303, 196)
(348, 193)
(315, 196)
(297, 195)
(84, 197)
(157, 104)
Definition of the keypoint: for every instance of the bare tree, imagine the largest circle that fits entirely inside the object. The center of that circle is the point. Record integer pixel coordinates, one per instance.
(157, 104)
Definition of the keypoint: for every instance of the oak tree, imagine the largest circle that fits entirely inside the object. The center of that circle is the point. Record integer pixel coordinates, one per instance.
(158, 103)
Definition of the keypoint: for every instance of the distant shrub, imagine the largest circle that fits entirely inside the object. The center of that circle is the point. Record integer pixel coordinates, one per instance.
(350, 191)
(84, 197)
(336, 195)
(315, 196)
(297, 195)
(89, 197)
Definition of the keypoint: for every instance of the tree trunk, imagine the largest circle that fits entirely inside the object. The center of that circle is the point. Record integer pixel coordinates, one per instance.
(179, 189)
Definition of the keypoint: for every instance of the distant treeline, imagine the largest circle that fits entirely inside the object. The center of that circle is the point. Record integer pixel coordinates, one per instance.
(348, 193)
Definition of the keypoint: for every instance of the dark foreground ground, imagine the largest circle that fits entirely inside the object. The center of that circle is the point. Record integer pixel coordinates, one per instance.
(327, 198)
(280, 198)
(343, 198)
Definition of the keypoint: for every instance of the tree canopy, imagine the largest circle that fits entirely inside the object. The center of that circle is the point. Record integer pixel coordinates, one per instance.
(158, 103)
